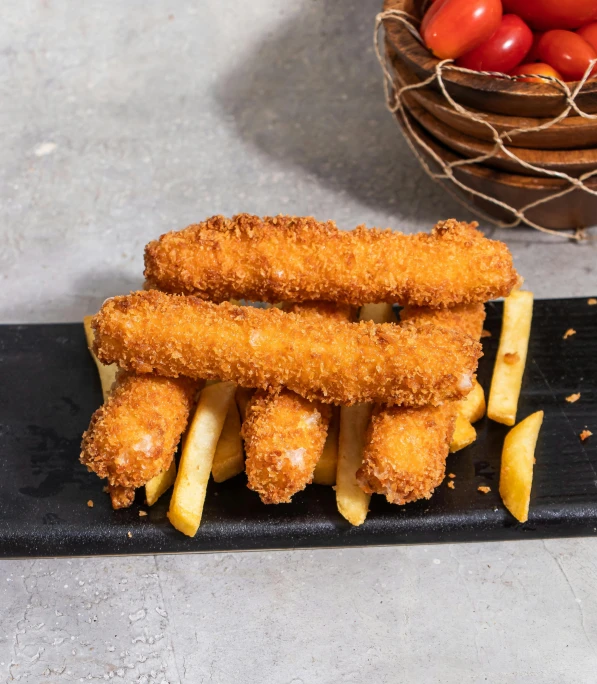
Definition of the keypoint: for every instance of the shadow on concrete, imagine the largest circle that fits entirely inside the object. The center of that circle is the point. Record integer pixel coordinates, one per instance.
(311, 95)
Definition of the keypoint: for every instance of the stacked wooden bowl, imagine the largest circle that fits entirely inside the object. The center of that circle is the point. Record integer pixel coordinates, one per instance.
(569, 147)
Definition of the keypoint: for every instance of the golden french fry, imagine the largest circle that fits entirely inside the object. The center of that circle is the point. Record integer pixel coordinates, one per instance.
(229, 457)
(518, 458)
(186, 505)
(352, 501)
(160, 484)
(107, 374)
(243, 397)
(511, 358)
(464, 434)
(325, 470)
(472, 407)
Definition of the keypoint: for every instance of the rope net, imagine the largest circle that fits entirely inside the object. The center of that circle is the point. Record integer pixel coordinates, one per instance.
(395, 103)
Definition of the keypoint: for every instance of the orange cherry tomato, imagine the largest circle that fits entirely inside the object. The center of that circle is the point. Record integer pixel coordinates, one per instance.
(544, 15)
(535, 68)
(451, 28)
(506, 48)
(589, 33)
(567, 53)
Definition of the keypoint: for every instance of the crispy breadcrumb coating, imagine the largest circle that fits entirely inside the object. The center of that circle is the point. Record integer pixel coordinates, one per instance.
(319, 358)
(285, 434)
(466, 318)
(134, 435)
(121, 497)
(406, 449)
(286, 258)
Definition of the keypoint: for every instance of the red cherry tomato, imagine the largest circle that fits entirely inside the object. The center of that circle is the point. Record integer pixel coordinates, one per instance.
(589, 33)
(535, 68)
(567, 53)
(544, 15)
(451, 28)
(506, 48)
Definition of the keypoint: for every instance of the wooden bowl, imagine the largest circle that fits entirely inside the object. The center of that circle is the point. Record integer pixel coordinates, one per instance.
(571, 162)
(573, 133)
(485, 93)
(577, 209)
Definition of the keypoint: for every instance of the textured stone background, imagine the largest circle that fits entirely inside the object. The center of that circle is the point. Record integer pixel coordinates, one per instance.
(123, 120)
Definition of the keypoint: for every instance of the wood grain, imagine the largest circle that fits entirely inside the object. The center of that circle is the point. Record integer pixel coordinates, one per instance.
(573, 133)
(574, 210)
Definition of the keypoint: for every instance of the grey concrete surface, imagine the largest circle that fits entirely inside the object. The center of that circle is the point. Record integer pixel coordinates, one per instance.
(123, 120)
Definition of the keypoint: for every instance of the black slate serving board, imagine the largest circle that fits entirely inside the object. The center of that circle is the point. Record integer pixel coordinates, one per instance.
(49, 389)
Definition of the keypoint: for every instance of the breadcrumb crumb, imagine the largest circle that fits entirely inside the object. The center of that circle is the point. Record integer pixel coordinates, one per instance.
(90, 503)
(592, 301)
(129, 535)
(451, 476)
(569, 333)
(485, 333)
(484, 490)
(142, 514)
(573, 397)
(585, 434)
(451, 484)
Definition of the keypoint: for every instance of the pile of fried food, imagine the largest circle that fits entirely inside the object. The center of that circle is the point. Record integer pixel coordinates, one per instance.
(324, 385)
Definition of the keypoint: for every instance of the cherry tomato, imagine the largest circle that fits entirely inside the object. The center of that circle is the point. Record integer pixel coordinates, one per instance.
(451, 28)
(535, 68)
(567, 53)
(544, 15)
(589, 33)
(506, 48)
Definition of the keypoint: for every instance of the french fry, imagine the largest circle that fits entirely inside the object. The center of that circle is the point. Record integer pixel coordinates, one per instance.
(352, 501)
(464, 434)
(229, 457)
(511, 358)
(518, 458)
(186, 505)
(160, 484)
(325, 470)
(107, 374)
(472, 407)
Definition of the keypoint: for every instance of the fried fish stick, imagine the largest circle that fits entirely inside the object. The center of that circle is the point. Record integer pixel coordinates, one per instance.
(406, 449)
(319, 358)
(285, 434)
(134, 435)
(287, 258)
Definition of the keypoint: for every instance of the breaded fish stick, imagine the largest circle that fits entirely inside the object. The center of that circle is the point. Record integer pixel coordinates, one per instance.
(406, 449)
(285, 434)
(134, 435)
(287, 258)
(318, 358)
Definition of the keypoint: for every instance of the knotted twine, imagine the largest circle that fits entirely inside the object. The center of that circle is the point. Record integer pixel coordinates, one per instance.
(395, 103)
